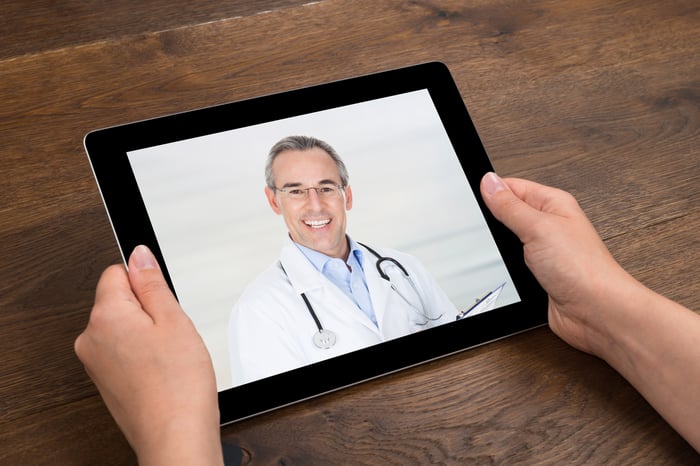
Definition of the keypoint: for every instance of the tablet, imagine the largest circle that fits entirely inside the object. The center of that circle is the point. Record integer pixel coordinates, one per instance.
(323, 236)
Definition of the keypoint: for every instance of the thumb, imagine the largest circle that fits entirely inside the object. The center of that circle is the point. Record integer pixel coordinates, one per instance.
(508, 208)
(149, 285)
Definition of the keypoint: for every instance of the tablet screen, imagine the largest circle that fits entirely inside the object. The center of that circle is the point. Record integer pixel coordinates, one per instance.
(302, 242)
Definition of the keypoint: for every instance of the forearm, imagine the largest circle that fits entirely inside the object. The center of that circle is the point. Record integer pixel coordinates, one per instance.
(655, 344)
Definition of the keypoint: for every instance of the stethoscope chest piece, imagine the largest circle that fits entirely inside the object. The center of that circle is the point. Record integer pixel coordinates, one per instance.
(324, 338)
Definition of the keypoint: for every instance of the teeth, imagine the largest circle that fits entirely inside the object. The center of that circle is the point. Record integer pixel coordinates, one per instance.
(317, 223)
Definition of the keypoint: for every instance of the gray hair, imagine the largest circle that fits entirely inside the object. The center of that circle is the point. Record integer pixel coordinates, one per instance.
(303, 143)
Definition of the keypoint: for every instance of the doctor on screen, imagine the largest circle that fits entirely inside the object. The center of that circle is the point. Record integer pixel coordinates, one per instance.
(327, 294)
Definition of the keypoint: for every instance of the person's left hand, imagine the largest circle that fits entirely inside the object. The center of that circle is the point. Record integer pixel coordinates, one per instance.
(151, 366)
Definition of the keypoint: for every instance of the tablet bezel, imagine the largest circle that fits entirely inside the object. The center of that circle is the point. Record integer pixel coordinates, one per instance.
(107, 150)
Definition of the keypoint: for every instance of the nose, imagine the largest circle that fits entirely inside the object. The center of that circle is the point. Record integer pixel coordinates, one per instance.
(313, 198)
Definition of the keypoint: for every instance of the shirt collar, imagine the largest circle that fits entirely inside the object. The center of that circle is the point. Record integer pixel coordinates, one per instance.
(319, 260)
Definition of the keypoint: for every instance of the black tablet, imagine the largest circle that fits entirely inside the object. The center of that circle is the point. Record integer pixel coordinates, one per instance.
(323, 236)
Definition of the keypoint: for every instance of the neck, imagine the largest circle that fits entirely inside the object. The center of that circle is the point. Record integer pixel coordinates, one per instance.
(342, 253)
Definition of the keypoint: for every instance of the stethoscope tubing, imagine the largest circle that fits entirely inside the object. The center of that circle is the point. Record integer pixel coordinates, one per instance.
(325, 338)
(312, 312)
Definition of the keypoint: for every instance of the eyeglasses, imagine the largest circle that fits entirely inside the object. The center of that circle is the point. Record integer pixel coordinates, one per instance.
(326, 191)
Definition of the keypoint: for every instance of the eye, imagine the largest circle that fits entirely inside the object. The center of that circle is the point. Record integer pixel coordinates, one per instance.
(296, 192)
(325, 190)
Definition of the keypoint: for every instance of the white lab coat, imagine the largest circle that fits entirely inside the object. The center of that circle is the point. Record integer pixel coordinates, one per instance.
(271, 330)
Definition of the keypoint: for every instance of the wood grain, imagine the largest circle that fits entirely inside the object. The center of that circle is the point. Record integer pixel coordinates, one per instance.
(599, 98)
(570, 409)
(32, 27)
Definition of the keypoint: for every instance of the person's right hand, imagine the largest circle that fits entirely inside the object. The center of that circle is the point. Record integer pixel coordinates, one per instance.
(597, 307)
(563, 251)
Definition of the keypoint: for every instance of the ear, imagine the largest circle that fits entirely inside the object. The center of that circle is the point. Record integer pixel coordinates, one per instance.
(272, 200)
(348, 198)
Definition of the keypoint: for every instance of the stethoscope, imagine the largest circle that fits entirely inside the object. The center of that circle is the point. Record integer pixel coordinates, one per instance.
(325, 338)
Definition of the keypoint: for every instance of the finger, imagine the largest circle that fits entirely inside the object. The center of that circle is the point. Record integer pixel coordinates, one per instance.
(149, 285)
(543, 198)
(113, 291)
(113, 283)
(507, 207)
(114, 298)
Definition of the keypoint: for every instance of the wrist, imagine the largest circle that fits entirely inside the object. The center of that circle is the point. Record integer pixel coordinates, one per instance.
(592, 317)
(186, 440)
(625, 319)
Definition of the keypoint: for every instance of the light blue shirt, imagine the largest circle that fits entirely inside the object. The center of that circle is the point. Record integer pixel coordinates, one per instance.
(349, 277)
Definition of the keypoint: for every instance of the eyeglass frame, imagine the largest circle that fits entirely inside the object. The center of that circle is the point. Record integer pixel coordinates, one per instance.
(338, 188)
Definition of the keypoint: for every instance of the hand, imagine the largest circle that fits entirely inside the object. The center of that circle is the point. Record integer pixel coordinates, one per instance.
(598, 307)
(151, 366)
(563, 251)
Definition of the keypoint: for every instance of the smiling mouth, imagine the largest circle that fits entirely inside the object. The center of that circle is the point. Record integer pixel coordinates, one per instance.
(317, 223)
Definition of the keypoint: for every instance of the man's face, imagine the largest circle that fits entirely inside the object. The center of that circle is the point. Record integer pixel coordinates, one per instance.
(314, 221)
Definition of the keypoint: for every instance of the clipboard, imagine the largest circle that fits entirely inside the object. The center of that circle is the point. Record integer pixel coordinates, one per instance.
(483, 304)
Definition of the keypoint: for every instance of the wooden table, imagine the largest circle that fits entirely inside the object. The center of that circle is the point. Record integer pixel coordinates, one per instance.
(599, 98)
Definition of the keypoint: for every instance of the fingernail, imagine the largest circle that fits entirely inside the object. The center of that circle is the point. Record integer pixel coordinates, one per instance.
(493, 183)
(143, 259)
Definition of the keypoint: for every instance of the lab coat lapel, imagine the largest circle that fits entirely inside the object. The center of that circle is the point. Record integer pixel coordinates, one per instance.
(301, 273)
(379, 289)
(324, 295)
